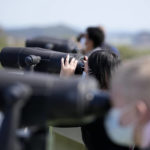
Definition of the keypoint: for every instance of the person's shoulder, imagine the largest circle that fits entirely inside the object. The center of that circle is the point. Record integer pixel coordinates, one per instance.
(111, 48)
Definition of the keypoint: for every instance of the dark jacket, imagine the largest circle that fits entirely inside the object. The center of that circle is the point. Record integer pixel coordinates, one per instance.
(95, 137)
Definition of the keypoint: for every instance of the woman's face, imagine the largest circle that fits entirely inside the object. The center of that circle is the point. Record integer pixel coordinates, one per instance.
(88, 44)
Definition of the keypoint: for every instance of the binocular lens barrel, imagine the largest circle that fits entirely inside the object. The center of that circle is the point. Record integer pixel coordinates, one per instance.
(55, 44)
(54, 99)
(50, 60)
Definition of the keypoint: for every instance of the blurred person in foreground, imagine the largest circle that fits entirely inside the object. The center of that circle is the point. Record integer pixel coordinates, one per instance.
(128, 122)
(100, 64)
(94, 39)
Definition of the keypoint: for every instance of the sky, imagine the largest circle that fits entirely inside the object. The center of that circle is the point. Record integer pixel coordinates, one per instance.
(114, 15)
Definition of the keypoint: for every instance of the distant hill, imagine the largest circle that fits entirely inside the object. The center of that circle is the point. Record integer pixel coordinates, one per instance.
(140, 39)
(60, 31)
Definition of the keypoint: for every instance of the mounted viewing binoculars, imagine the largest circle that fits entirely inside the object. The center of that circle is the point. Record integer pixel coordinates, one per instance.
(41, 60)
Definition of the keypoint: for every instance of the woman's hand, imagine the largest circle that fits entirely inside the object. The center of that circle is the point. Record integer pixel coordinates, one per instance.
(68, 69)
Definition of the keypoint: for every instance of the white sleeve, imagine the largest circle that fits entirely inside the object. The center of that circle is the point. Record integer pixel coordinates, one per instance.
(83, 75)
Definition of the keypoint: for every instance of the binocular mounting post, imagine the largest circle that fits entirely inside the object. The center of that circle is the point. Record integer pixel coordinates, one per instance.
(14, 98)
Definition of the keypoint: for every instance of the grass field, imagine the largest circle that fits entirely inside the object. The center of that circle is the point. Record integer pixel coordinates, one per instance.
(127, 52)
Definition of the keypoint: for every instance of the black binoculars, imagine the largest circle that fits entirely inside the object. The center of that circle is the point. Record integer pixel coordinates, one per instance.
(41, 59)
(60, 45)
(52, 99)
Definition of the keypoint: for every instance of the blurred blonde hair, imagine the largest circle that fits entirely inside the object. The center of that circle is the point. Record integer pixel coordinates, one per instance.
(133, 79)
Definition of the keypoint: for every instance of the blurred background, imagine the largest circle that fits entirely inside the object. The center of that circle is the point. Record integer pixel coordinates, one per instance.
(126, 23)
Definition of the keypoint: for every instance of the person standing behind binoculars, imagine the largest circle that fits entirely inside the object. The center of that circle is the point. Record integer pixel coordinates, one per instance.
(94, 39)
(100, 64)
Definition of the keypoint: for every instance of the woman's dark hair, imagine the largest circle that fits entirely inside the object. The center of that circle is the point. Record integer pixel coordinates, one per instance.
(101, 64)
(96, 35)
